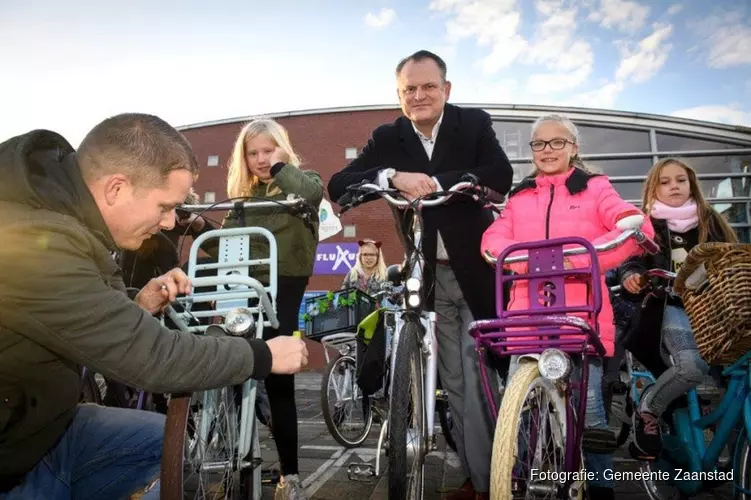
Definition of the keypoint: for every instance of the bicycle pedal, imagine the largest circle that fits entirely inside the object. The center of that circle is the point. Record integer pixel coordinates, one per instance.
(637, 454)
(602, 441)
(361, 472)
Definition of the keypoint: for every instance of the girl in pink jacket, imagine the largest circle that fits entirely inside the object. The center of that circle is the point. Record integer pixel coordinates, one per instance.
(562, 198)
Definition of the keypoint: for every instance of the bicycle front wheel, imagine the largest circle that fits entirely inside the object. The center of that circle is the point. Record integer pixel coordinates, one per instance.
(200, 457)
(530, 438)
(406, 423)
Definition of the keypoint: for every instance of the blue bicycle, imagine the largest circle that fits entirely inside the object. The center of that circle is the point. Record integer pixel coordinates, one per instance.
(703, 448)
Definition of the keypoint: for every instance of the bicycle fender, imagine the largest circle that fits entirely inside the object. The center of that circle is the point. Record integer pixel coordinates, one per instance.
(530, 357)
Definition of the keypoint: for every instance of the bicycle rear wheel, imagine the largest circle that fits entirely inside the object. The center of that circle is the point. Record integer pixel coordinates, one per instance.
(406, 424)
(530, 434)
(342, 403)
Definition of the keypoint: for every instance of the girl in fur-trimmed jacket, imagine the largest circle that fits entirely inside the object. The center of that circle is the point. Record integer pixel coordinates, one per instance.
(661, 331)
(562, 198)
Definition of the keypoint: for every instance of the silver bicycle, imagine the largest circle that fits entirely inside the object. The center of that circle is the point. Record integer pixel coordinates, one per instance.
(409, 432)
(211, 447)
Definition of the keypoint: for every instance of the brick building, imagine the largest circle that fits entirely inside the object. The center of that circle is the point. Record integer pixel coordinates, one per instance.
(622, 145)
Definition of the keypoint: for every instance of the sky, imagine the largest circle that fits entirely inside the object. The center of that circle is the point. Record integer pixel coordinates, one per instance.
(68, 65)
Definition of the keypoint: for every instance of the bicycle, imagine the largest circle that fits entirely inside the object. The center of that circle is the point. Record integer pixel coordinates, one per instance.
(409, 430)
(689, 464)
(341, 376)
(341, 373)
(548, 341)
(212, 435)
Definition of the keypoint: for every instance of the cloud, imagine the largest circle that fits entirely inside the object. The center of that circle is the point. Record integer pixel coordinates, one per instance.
(674, 9)
(604, 97)
(642, 63)
(380, 20)
(731, 115)
(725, 38)
(624, 15)
(493, 23)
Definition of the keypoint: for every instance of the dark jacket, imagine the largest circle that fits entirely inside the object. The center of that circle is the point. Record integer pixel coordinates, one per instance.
(643, 335)
(62, 305)
(466, 143)
(296, 242)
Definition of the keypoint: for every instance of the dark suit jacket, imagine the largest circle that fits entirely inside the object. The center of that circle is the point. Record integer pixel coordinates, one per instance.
(466, 142)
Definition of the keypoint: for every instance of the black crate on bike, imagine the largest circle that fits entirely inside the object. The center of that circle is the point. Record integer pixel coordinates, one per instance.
(336, 312)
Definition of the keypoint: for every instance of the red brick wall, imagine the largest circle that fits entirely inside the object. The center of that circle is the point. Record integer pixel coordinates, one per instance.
(320, 140)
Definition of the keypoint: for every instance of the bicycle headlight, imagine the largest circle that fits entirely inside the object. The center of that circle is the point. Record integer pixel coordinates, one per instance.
(554, 365)
(413, 299)
(239, 321)
(413, 284)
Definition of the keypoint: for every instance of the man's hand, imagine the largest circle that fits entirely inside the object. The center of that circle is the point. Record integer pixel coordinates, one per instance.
(413, 184)
(634, 283)
(159, 292)
(288, 354)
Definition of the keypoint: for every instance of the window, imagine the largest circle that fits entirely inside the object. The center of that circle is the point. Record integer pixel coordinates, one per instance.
(213, 161)
(620, 168)
(349, 231)
(675, 142)
(514, 138)
(719, 164)
(209, 197)
(350, 153)
(604, 140)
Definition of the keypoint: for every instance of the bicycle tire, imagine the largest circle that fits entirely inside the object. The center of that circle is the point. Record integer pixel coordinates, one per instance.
(329, 418)
(401, 407)
(173, 452)
(505, 440)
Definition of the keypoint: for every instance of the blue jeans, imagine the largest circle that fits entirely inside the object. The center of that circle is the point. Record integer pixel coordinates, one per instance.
(596, 418)
(106, 453)
(687, 368)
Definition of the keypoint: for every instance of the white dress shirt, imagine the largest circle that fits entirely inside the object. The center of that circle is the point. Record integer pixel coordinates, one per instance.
(428, 143)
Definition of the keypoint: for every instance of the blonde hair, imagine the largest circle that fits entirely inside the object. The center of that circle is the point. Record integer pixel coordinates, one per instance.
(379, 272)
(240, 180)
(566, 122)
(704, 210)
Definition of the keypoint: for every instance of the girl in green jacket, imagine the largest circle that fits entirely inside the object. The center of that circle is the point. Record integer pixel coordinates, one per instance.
(263, 164)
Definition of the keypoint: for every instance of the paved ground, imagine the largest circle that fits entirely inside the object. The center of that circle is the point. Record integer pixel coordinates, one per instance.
(323, 463)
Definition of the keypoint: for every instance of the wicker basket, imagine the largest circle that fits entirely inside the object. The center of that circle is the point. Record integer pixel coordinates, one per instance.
(718, 306)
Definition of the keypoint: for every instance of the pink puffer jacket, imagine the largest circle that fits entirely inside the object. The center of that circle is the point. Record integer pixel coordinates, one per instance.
(572, 204)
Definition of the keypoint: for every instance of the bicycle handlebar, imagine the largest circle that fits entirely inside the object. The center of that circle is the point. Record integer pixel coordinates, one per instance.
(291, 201)
(357, 192)
(635, 223)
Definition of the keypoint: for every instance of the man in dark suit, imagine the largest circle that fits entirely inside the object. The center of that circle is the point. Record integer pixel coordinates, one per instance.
(429, 149)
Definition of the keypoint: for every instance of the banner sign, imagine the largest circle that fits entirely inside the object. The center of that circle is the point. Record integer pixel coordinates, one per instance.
(335, 258)
(329, 224)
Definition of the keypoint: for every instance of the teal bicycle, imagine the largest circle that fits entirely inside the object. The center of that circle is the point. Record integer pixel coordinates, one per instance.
(691, 464)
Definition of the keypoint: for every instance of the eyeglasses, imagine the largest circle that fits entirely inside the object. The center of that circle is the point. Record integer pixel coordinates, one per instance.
(555, 144)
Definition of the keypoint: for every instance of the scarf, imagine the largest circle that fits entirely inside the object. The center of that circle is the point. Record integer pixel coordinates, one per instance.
(680, 219)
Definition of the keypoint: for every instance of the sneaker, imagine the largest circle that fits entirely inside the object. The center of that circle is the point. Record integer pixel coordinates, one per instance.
(290, 488)
(647, 435)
